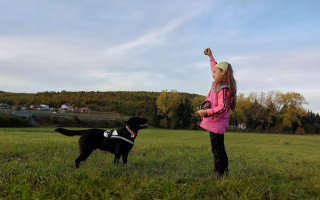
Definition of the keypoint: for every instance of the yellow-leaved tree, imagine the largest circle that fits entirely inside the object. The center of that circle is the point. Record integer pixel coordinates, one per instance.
(168, 104)
(291, 111)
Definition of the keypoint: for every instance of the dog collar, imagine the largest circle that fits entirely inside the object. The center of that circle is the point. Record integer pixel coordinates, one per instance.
(130, 131)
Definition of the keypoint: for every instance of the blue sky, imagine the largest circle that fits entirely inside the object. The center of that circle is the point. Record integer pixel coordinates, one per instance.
(102, 45)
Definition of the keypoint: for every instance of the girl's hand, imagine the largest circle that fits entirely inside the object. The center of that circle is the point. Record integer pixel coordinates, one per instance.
(202, 113)
(208, 52)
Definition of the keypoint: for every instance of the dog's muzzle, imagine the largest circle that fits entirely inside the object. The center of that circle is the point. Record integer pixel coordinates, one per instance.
(144, 125)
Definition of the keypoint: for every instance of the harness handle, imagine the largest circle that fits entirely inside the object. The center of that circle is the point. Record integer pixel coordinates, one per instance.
(204, 106)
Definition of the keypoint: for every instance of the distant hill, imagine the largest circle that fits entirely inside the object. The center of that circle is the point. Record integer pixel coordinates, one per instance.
(126, 102)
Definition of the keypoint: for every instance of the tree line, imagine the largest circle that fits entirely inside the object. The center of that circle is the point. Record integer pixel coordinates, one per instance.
(273, 111)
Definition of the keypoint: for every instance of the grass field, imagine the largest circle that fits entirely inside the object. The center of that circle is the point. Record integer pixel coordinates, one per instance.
(37, 163)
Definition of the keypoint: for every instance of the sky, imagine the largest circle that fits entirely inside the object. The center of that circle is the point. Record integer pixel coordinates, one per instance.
(148, 45)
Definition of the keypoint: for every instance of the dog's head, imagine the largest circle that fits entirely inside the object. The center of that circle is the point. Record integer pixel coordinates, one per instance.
(137, 123)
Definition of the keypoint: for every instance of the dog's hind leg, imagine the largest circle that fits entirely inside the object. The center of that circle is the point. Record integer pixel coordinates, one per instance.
(83, 156)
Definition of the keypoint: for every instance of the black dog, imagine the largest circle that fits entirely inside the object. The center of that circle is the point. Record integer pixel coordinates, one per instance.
(119, 143)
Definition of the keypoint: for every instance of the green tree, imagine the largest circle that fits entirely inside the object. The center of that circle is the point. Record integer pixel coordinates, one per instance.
(174, 108)
(271, 109)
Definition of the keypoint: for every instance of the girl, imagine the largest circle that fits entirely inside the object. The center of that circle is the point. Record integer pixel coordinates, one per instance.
(222, 96)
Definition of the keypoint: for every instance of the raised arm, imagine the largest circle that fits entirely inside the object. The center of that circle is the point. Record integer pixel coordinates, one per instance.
(213, 62)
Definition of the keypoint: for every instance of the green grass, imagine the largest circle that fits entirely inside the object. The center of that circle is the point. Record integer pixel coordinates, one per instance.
(37, 163)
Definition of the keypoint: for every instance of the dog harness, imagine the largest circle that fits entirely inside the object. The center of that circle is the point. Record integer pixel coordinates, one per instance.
(113, 134)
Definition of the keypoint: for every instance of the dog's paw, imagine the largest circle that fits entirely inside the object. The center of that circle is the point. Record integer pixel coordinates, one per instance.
(116, 161)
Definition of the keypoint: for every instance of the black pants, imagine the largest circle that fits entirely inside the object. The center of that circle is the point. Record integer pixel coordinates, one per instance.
(219, 153)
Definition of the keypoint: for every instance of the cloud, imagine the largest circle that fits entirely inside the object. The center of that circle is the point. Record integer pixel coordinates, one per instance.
(12, 83)
(313, 98)
(151, 46)
(147, 42)
(280, 69)
(55, 63)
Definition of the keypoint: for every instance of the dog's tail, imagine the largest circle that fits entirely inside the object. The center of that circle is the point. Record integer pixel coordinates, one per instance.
(69, 132)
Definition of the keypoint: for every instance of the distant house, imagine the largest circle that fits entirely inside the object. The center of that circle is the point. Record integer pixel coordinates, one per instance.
(44, 107)
(4, 106)
(34, 107)
(243, 126)
(66, 106)
(84, 109)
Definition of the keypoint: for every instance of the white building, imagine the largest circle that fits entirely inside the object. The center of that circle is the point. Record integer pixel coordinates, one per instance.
(44, 106)
(66, 106)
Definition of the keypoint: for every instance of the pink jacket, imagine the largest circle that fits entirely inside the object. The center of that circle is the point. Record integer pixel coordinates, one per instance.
(217, 121)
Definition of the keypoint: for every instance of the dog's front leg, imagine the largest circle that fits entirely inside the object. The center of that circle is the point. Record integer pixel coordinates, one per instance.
(116, 158)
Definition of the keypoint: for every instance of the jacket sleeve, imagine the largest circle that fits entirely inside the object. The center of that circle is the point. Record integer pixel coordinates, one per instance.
(223, 104)
(212, 64)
